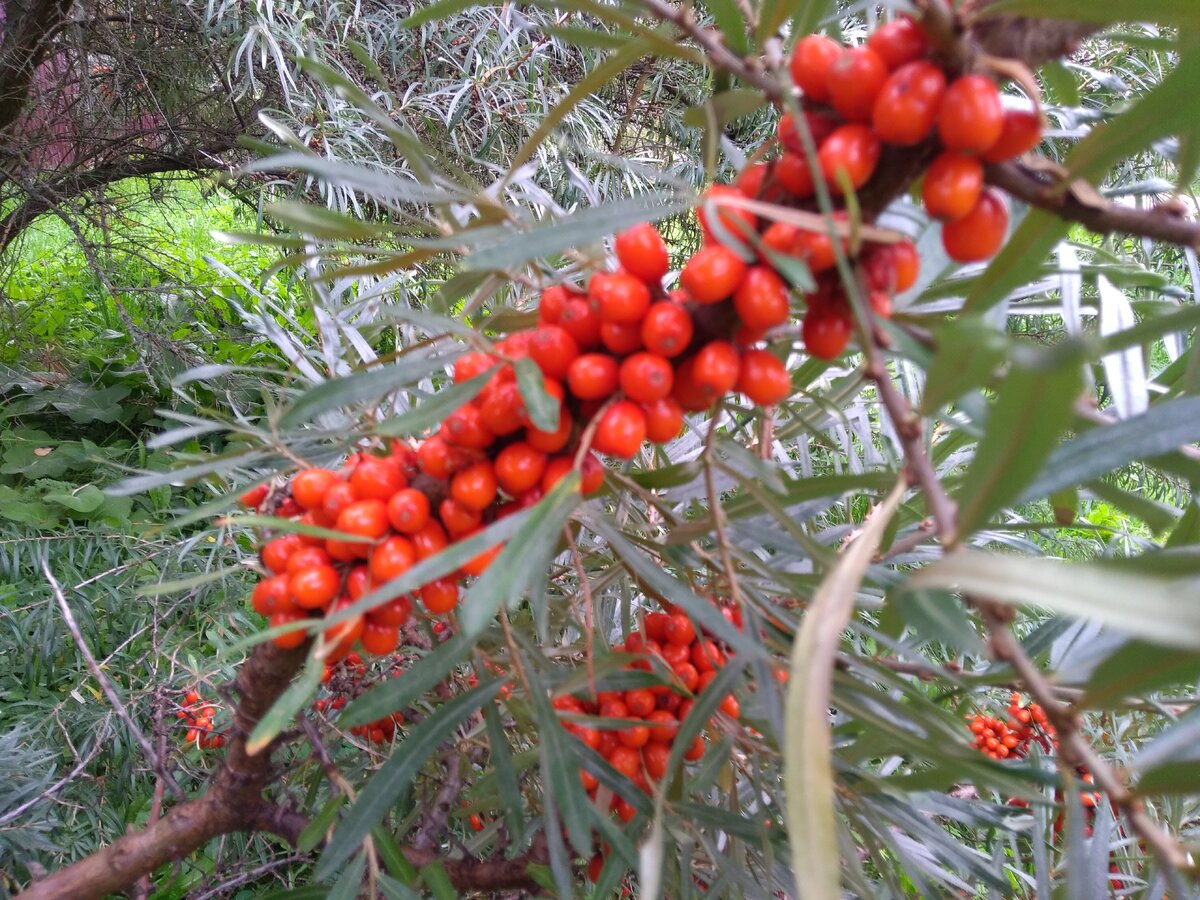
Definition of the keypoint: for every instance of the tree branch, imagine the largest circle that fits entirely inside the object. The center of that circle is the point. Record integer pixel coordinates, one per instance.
(27, 31)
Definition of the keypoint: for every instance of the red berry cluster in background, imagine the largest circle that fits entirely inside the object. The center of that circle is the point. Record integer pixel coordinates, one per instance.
(1001, 739)
(646, 720)
(198, 716)
(346, 679)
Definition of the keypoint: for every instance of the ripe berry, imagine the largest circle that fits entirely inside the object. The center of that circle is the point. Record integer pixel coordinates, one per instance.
(792, 172)
(291, 639)
(314, 588)
(364, 518)
(553, 302)
(465, 428)
(1020, 133)
(553, 349)
(680, 629)
(378, 638)
(621, 338)
(899, 42)
(619, 297)
(436, 458)
(977, 235)
(475, 486)
(477, 565)
(825, 333)
(640, 702)
(519, 468)
(971, 117)
(663, 726)
(377, 478)
(634, 737)
(276, 552)
(855, 80)
(646, 377)
(655, 756)
(688, 393)
(621, 430)
(308, 556)
(582, 322)
(458, 520)
(643, 253)
(408, 511)
(892, 267)
(271, 596)
(763, 378)
(254, 497)
(667, 329)
(309, 487)
(850, 153)
(593, 376)
(664, 420)
(716, 367)
(712, 274)
(591, 474)
(391, 559)
(695, 750)
(551, 441)
(952, 186)
(908, 104)
(761, 300)
(395, 612)
(820, 126)
(811, 61)
(440, 596)
(469, 365)
(429, 540)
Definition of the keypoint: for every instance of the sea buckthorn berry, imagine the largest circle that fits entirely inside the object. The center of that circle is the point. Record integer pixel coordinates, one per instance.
(553, 349)
(551, 441)
(763, 378)
(582, 322)
(663, 726)
(626, 760)
(340, 638)
(707, 656)
(440, 596)
(309, 487)
(640, 702)
(680, 629)
(621, 430)
(664, 420)
(977, 235)
(378, 638)
(271, 596)
(851, 154)
(475, 486)
(377, 478)
(655, 756)
(465, 428)
(667, 329)
(316, 587)
(391, 559)
(892, 267)
(591, 474)
(716, 367)
(254, 497)
(288, 508)
(825, 333)
(899, 42)
(514, 346)
(643, 253)
(689, 393)
(338, 497)
(792, 172)
(556, 469)
(364, 518)
(593, 376)
(635, 736)
(712, 274)
(820, 126)
(408, 510)
(308, 556)
(1020, 132)
(291, 639)
(469, 365)
(619, 297)
(952, 186)
(395, 612)
(553, 302)
(646, 377)
(971, 118)
(277, 551)
(695, 750)
(478, 564)
(519, 468)
(458, 519)
(499, 407)
(621, 338)
(735, 223)
(907, 106)
(752, 181)
(811, 61)
(880, 303)
(855, 80)
(761, 300)
(431, 539)
(553, 388)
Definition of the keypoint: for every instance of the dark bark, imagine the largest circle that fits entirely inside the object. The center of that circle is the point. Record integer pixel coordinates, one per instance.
(28, 27)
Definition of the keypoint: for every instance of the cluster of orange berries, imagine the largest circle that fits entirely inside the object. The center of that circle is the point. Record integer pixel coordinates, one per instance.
(197, 716)
(1002, 739)
(348, 678)
(646, 720)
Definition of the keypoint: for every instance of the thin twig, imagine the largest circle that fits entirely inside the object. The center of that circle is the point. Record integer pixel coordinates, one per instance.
(106, 686)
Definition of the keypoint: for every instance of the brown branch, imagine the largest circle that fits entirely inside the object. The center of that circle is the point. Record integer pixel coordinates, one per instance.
(233, 803)
(486, 874)
(1073, 748)
(1159, 223)
(432, 827)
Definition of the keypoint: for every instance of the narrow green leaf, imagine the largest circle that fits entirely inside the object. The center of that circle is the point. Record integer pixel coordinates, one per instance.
(521, 562)
(392, 856)
(1139, 605)
(1137, 669)
(397, 890)
(1019, 261)
(397, 773)
(731, 24)
(186, 584)
(283, 710)
(542, 408)
(273, 523)
(725, 107)
(938, 616)
(808, 780)
(1162, 429)
(441, 10)
(395, 694)
(1031, 409)
(434, 409)
(438, 882)
(969, 351)
(360, 387)
(508, 248)
(500, 756)
(321, 222)
(1171, 778)
(564, 789)
(314, 833)
(348, 886)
